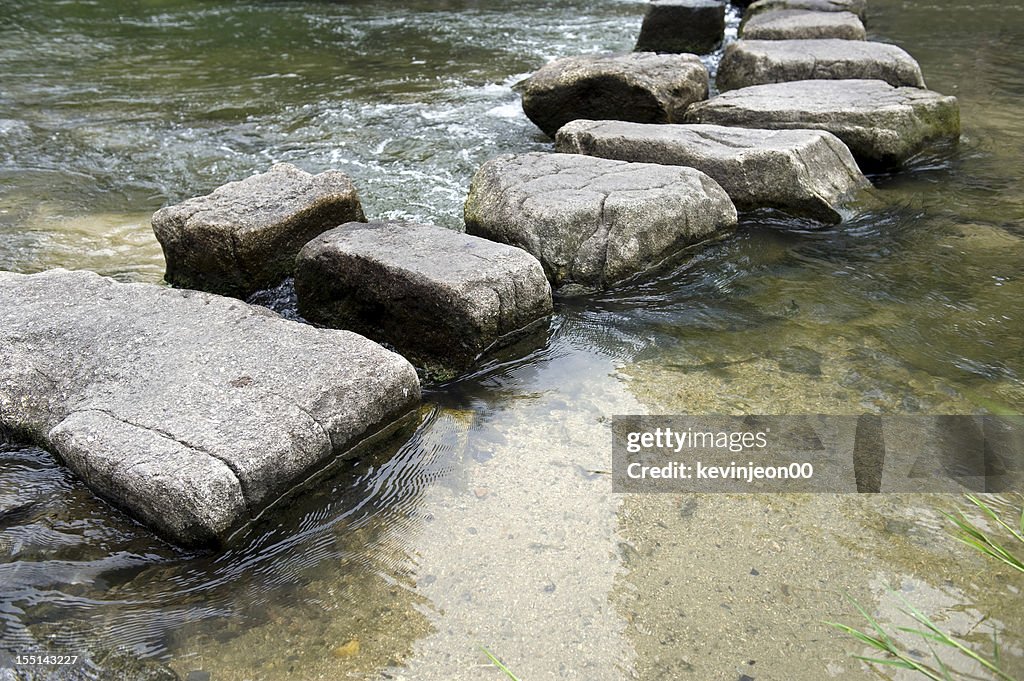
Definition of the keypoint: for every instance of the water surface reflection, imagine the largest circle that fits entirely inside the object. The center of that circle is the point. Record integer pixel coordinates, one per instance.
(494, 523)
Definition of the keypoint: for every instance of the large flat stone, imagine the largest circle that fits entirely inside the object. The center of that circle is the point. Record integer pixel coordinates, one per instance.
(803, 172)
(858, 7)
(439, 297)
(758, 62)
(191, 411)
(882, 125)
(593, 221)
(244, 236)
(681, 26)
(642, 87)
(799, 24)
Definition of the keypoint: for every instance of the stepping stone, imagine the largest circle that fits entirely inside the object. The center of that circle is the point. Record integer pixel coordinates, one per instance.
(758, 62)
(882, 125)
(642, 87)
(681, 26)
(593, 221)
(798, 24)
(806, 173)
(244, 236)
(190, 411)
(858, 7)
(439, 297)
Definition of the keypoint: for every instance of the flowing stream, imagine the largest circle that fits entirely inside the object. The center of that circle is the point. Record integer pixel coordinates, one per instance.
(494, 523)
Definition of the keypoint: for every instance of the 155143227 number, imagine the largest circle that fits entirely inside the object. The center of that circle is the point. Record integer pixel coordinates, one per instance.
(34, 660)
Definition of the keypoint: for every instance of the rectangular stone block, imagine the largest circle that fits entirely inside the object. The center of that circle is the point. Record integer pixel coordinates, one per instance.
(190, 411)
(882, 125)
(799, 24)
(858, 7)
(681, 26)
(760, 62)
(244, 236)
(591, 221)
(439, 297)
(642, 87)
(807, 173)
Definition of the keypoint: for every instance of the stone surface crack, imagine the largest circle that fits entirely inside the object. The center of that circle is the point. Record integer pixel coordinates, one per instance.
(710, 137)
(604, 227)
(294, 403)
(246, 495)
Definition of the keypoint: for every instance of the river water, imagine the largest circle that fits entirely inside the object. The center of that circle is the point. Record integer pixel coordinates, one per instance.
(494, 524)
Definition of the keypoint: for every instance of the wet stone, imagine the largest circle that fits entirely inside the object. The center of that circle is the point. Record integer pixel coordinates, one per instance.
(681, 26)
(593, 221)
(882, 125)
(642, 87)
(858, 7)
(190, 411)
(757, 62)
(807, 173)
(798, 24)
(244, 236)
(439, 297)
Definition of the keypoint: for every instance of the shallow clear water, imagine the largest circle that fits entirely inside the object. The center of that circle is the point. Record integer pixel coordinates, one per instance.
(494, 524)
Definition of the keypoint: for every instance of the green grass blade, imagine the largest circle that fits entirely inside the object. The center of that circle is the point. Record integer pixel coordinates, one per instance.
(882, 635)
(897, 655)
(902, 664)
(946, 676)
(938, 638)
(947, 640)
(499, 664)
(990, 512)
(971, 535)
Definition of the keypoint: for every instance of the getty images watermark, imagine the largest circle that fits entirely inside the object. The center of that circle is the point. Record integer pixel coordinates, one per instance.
(817, 453)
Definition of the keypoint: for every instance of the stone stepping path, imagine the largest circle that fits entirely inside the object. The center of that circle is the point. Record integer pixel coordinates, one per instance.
(808, 173)
(798, 24)
(593, 221)
(758, 62)
(642, 87)
(191, 411)
(439, 297)
(243, 237)
(882, 125)
(195, 412)
(681, 26)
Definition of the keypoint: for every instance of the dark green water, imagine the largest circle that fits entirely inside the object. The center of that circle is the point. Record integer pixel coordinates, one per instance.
(490, 526)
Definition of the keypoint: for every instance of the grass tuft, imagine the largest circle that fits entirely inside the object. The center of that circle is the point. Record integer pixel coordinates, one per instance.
(896, 655)
(972, 535)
